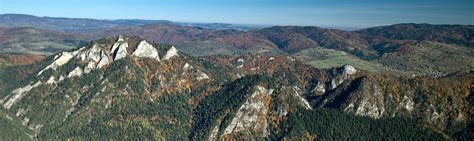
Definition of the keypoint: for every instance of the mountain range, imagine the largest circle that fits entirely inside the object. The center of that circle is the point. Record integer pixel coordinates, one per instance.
(158, 80)
(419, 49)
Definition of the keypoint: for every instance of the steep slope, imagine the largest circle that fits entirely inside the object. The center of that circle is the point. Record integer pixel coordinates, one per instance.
(444, 102)
(82, 94)
(12, 128)
(259, 107)
(326, 124)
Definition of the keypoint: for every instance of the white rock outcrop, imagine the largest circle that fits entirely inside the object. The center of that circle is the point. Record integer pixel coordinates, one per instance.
(17, 94)
(76, 72)
(90, 66)
(250, 115)
(202, 76)
(187, 66)
(303, 101)
(60, 60)
(146, 50)
(51, 80)
(346, 73)
(319, 88)
(93, 54)
(407, 103)
(170, 53)
(349, 70)
(103, 61)
(214, 133)
(369, 104)
(96, 58)
(119, 49)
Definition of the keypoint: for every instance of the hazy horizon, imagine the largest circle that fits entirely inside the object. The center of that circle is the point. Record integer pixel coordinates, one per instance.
(324, 13)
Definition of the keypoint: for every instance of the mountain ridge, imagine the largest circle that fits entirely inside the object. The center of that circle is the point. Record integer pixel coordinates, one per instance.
(132, 96)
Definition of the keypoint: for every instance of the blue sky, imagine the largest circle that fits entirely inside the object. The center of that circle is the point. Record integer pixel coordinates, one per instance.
(329, 13)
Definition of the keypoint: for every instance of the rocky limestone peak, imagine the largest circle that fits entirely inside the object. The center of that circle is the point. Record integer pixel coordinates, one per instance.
(60, 60)
(349, 70)
(145, 49)
(120, 39)
(252, 115)
(76, 72)
(119, 49)
(170, 53)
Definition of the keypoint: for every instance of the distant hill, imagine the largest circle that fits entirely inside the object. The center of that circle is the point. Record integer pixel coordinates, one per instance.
(84, 24)
(67, 24)
(450, 34)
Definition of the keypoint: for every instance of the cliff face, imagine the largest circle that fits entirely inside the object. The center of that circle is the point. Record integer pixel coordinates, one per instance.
(443, 102)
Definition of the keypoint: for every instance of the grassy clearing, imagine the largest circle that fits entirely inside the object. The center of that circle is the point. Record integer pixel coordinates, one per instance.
(42, 47)
(328, 58)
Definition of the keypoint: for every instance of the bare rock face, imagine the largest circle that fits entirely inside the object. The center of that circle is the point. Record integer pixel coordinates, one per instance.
(119, 49)
(76, 72)
(51, 80)
(103, 61)
(170, 53)
(258, 114)
(17, 94)
(347, 72)
(146, 50)
(371, 104)
(95, 56)
(302, 101)
(60, 60)
(92, 54)
(249, 116)
(319, 89)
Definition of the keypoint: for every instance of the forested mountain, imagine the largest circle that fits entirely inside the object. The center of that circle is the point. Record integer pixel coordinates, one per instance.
(129, 88)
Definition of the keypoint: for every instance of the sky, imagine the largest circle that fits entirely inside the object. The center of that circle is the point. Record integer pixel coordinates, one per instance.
(326, 13)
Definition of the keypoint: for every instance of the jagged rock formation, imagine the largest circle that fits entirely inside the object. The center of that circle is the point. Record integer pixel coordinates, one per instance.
(378, 96)
(60, 60)
(17, 94)
(76, 72)
(251, 116)
(88, 80)
(119, 49)
(255, 117)
(145, 49)
(170, 53)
